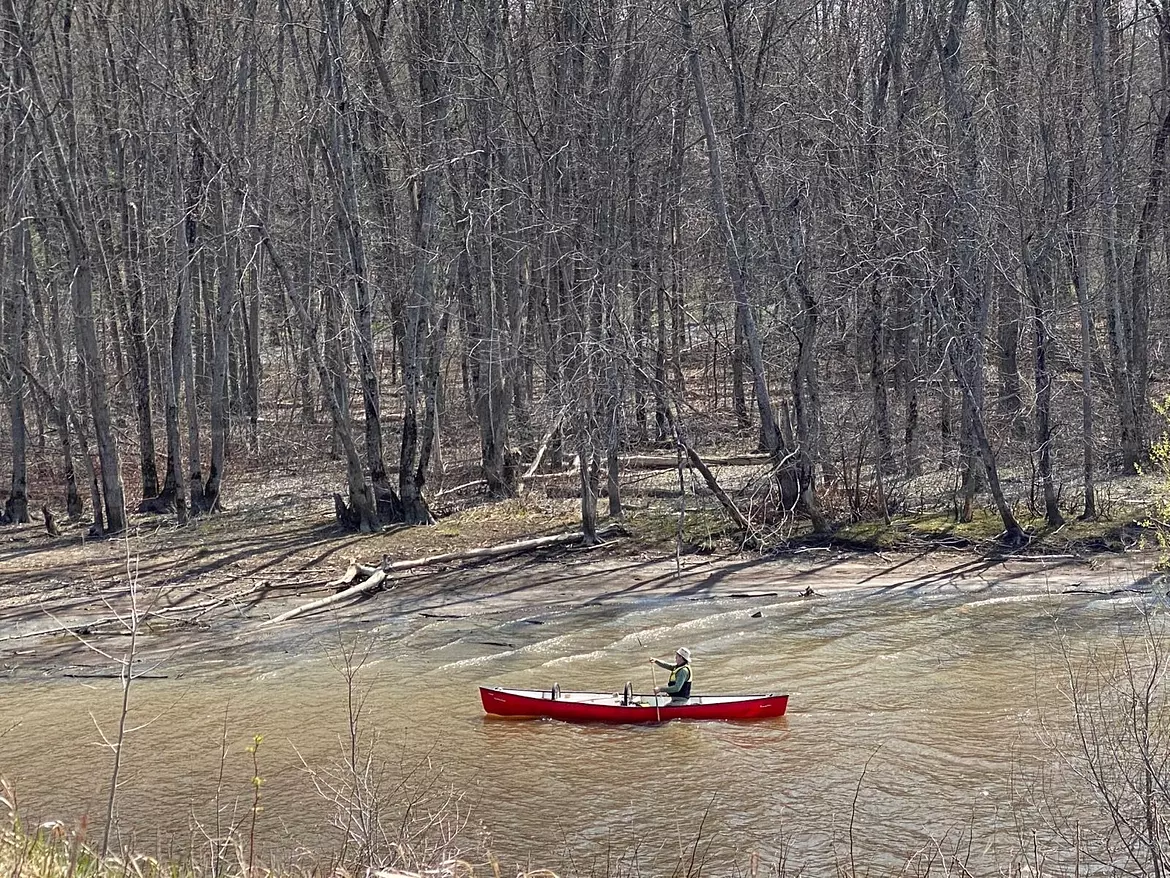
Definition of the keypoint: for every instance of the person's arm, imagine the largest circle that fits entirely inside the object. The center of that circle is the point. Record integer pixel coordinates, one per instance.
(669, 666)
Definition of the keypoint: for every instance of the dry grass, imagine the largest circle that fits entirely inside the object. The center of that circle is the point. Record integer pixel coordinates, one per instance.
(55, 850)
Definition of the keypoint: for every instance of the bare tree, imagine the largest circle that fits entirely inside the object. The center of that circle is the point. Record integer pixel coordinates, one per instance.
(422, 336)
(965, 306)
(68, 192)
(14, 258)
(795, 481)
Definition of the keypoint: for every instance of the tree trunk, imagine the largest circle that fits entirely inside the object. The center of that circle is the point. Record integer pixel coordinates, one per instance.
(175, 353)
(127, 289)
(805, 388)
(432, 101)
(1108, 107)
(1075, 249)
(228, 280)
(489, 281)
(588, 475)
(15, 257)
(81, 427)
(735, 268)
(337, 148)
(16, 506)
(966, 315)
(66, 194)
(62, 414)
(1038, 269)
(190, 296)
(361, 513)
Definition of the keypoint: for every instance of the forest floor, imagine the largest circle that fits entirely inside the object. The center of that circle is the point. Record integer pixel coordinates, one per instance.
(64, 600)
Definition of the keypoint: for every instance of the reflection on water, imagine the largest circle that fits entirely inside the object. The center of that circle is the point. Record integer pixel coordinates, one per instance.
(911, 723)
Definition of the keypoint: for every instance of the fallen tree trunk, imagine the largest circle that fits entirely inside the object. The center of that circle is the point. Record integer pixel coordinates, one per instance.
(477, 483)
(657, 461)
(354, 570)
(378, 576)
(705, 471)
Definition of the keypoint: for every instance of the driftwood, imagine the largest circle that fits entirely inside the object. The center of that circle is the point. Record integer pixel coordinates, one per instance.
(352, 572)
(377, 577)
(727, 503)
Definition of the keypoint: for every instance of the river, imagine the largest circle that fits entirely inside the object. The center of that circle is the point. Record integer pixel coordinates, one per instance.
(918, 722)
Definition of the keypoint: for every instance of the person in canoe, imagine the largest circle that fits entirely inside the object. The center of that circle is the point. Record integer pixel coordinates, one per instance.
(678, 687)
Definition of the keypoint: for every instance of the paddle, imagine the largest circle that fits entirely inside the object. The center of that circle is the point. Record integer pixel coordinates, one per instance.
(654, 680)
(654, 691)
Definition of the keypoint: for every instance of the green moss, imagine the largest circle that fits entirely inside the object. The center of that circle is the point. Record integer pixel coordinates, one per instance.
(940, 529)
(873, 535)
(703, 529)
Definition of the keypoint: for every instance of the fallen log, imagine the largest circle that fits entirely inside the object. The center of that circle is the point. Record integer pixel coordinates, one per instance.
(374, 581)
(377, 578)
(352, 572)
(726, 501)
(476, 483)
(662, 461)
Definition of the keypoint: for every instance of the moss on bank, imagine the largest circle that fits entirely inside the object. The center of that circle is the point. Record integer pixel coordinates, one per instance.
(708, 531)
(940, 530)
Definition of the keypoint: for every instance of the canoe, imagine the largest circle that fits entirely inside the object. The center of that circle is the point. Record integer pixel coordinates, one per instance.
(611, 707)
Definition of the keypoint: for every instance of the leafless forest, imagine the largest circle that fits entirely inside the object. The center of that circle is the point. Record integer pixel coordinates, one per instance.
(861, 238)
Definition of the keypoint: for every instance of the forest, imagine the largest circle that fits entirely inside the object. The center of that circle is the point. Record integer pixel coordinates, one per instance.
(862, 238)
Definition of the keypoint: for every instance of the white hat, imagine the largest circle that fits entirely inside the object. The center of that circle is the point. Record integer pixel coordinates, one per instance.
(683, 653)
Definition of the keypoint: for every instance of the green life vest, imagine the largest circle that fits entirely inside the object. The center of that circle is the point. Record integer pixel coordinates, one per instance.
(685, 691)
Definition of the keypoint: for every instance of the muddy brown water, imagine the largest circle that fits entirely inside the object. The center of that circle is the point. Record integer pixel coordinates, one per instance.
(916, 721)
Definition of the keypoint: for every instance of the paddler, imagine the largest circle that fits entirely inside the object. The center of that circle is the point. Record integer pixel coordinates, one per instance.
(678, 687)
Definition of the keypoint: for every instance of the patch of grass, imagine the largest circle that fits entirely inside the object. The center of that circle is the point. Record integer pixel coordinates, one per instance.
(1095, 535)
(938, 528)
(475, 526)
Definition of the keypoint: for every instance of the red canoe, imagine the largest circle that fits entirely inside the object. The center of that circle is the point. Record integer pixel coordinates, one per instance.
(609, 707)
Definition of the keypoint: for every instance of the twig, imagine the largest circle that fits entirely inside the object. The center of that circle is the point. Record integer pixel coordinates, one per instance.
(126, 674)
(853, 810)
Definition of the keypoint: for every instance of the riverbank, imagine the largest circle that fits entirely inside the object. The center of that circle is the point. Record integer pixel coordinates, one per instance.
(66, 599)
(219, 579)
(60, 851)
